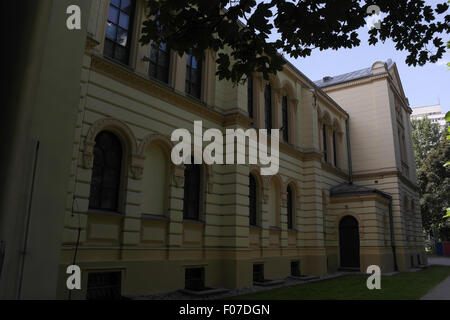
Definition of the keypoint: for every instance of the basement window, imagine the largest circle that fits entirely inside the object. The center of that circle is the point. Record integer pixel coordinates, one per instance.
(104, 286)
(295, 268)
(258, 273)
(195, 279)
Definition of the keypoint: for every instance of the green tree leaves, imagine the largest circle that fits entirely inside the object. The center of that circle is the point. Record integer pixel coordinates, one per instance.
(432, 176)
(302, 25)
(426, 136)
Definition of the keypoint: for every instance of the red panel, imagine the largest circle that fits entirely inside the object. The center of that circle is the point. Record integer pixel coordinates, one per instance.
(446, 246)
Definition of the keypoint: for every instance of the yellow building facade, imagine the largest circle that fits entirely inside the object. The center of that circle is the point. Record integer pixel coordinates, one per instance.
(345, 196)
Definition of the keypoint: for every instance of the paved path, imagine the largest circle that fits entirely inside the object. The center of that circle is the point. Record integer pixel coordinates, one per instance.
(443, 261)
(442, 290)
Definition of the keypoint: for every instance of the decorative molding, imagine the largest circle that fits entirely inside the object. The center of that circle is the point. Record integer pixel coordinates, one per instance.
(164, 93)
(178, 176)
(91, 43)
(355, 82)
(118, 127)
(162, 140)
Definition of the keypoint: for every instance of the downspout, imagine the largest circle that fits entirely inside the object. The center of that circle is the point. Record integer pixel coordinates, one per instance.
(27, 225)
(391, 224)
(349, 151)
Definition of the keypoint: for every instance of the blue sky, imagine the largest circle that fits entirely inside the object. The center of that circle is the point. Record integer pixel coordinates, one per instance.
(423, 86)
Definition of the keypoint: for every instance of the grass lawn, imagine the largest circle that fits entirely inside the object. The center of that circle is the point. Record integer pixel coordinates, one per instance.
(403, 286)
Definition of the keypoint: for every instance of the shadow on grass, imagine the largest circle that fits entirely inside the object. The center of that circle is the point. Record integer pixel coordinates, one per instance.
(403, 286)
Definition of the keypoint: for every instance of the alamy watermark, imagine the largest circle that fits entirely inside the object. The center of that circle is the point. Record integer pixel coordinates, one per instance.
(214, 153)
(374, 20)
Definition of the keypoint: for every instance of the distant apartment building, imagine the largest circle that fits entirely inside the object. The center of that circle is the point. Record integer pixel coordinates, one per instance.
(433, 112)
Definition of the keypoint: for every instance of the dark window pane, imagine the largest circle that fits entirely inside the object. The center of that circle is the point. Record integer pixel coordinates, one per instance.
(334, 149)
(285, 119)
(250, 97)
(324, 134)
(191, 203)
(252, 200)
(109, 48)
(195, 279)
(121, 54)
(159, 63)
(193, 76)
(290, 212)
(105, 180)
(268, 107)
(104, 286)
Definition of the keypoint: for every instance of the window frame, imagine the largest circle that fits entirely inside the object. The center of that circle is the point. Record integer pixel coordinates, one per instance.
(253, 216)
(129, 32)
(290, 208)
(325, 142)
(285, 118)
(119, 176)
(188, 81)
(268, 117)
(191, 209)
(157, 66)
(250, 98)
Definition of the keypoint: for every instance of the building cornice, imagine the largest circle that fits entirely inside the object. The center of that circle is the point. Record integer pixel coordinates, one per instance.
(129, 78)
(385, 174)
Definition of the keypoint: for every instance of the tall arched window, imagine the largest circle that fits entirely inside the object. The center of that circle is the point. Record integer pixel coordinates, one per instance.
(106, 172)
(284, 109)
(290, 208)
(159, 63)
(193, 76)
(250, 97)
(274, 203)
(118, 30)
(252, 200)
(324, 139)
(268, 107)
(192, 191)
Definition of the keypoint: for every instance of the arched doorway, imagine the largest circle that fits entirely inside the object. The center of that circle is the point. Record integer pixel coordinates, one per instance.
(349, 242)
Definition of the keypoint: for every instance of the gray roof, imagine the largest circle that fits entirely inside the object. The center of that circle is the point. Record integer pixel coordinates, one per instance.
(350, 76)
(351, 189)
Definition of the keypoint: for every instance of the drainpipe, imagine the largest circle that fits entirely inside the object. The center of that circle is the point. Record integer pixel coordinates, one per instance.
(27, 225)
(391, 223)
(349, 152)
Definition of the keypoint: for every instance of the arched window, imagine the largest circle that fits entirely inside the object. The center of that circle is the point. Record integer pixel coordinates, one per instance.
(253, 205)
(250, 97)
(106, 172)
(290, 208)
(268, 107)
(192, 191)
(324, 139)
(159, 63)
(154, 181)
(274, 204)
(285, 125)
(118, 30)
(193, 76)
